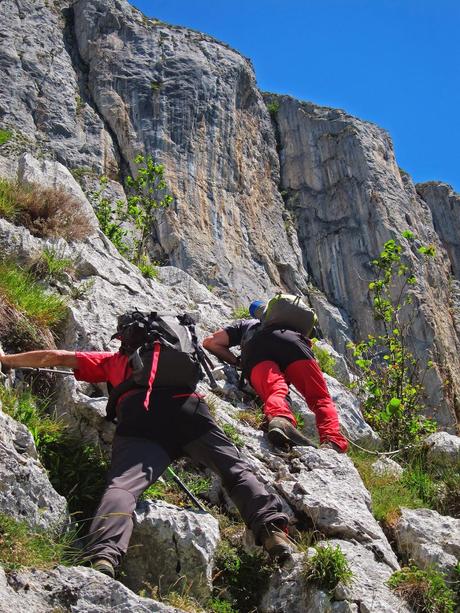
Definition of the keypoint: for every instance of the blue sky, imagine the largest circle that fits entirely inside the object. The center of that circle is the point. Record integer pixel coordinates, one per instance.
(393, 62)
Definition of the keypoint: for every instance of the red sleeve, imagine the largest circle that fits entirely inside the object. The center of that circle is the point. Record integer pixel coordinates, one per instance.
(99, 367)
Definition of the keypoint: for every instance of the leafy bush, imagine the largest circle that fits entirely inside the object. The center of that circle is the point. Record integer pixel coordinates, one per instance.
(391, 381)
(46, 212)
(388, 493)
(422, 484)
(327, 567)
(146, 195)
(325, 360)
(425, 590)
(273, 107)
(20, 546)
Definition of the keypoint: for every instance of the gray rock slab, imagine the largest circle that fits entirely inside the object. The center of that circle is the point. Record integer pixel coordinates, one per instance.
(171, 547)
(345, 192)
(368, 589)
(25, 491)
(429, 539)
(368, 592)
(76, 589)
(443, 448)
(327, 488)
(386, 466)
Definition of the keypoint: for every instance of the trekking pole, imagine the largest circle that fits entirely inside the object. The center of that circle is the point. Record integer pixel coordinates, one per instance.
(52, 370)
(183, 487)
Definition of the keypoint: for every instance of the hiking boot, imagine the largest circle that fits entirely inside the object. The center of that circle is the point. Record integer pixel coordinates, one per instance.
(277, 544)
(283, 434)
(330, 445)
(104, 566)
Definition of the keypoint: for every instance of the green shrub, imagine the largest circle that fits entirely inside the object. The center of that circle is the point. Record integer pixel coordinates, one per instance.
(391, 379)
(327, 567)
(30, 411)
(425, 590)
(25, 295)
(388, 493)
(46, 212)
(20, 546)
(273, 107)
(241, 313)
(325, 360)
(147, 194)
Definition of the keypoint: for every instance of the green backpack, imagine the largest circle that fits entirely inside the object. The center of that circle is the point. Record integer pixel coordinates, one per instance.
(285, 311)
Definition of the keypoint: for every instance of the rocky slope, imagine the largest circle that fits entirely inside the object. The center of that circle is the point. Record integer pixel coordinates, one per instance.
(299, 198)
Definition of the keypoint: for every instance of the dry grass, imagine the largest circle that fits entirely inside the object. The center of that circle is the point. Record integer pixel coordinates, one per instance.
(44, 211)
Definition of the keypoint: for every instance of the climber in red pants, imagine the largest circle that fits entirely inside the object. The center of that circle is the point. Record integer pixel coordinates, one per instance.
(271, 359)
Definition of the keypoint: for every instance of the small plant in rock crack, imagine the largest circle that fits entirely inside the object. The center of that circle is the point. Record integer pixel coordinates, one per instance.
(425, 590)
(327, 567)
(233, 435)
(391, 378)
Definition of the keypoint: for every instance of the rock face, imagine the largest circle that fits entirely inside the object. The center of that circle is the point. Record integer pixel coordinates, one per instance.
(444, 205)
(80, 590)
(443, 448)
(347, 197)
(173, 548)
(25, 491)
(429, 539)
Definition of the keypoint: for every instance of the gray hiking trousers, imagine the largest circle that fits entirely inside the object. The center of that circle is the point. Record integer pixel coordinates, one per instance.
(138, 462)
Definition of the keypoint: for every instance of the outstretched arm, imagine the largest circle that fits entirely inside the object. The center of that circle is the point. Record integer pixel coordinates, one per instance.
(40, 359)
(217, 344)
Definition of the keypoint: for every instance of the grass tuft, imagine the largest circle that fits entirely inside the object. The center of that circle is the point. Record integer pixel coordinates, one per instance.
(46, 212)
(25, 295)
(20, 546)
(327, 567)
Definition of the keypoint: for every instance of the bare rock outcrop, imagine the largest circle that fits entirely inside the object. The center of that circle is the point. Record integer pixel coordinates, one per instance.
(76, 589)
(173, 548)
(26, 493)
(429, 539)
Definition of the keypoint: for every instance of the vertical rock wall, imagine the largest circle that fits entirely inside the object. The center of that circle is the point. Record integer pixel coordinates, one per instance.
(347, 195)
(194, 104)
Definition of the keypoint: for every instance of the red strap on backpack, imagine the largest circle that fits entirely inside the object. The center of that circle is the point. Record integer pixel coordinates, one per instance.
(153, 372)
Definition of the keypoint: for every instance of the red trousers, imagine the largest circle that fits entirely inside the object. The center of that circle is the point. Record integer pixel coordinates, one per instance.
(272, 385)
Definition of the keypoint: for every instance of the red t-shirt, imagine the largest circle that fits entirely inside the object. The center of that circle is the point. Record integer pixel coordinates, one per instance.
(101, 367)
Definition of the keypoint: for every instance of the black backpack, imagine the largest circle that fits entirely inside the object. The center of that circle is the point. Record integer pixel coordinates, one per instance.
(163, 353)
